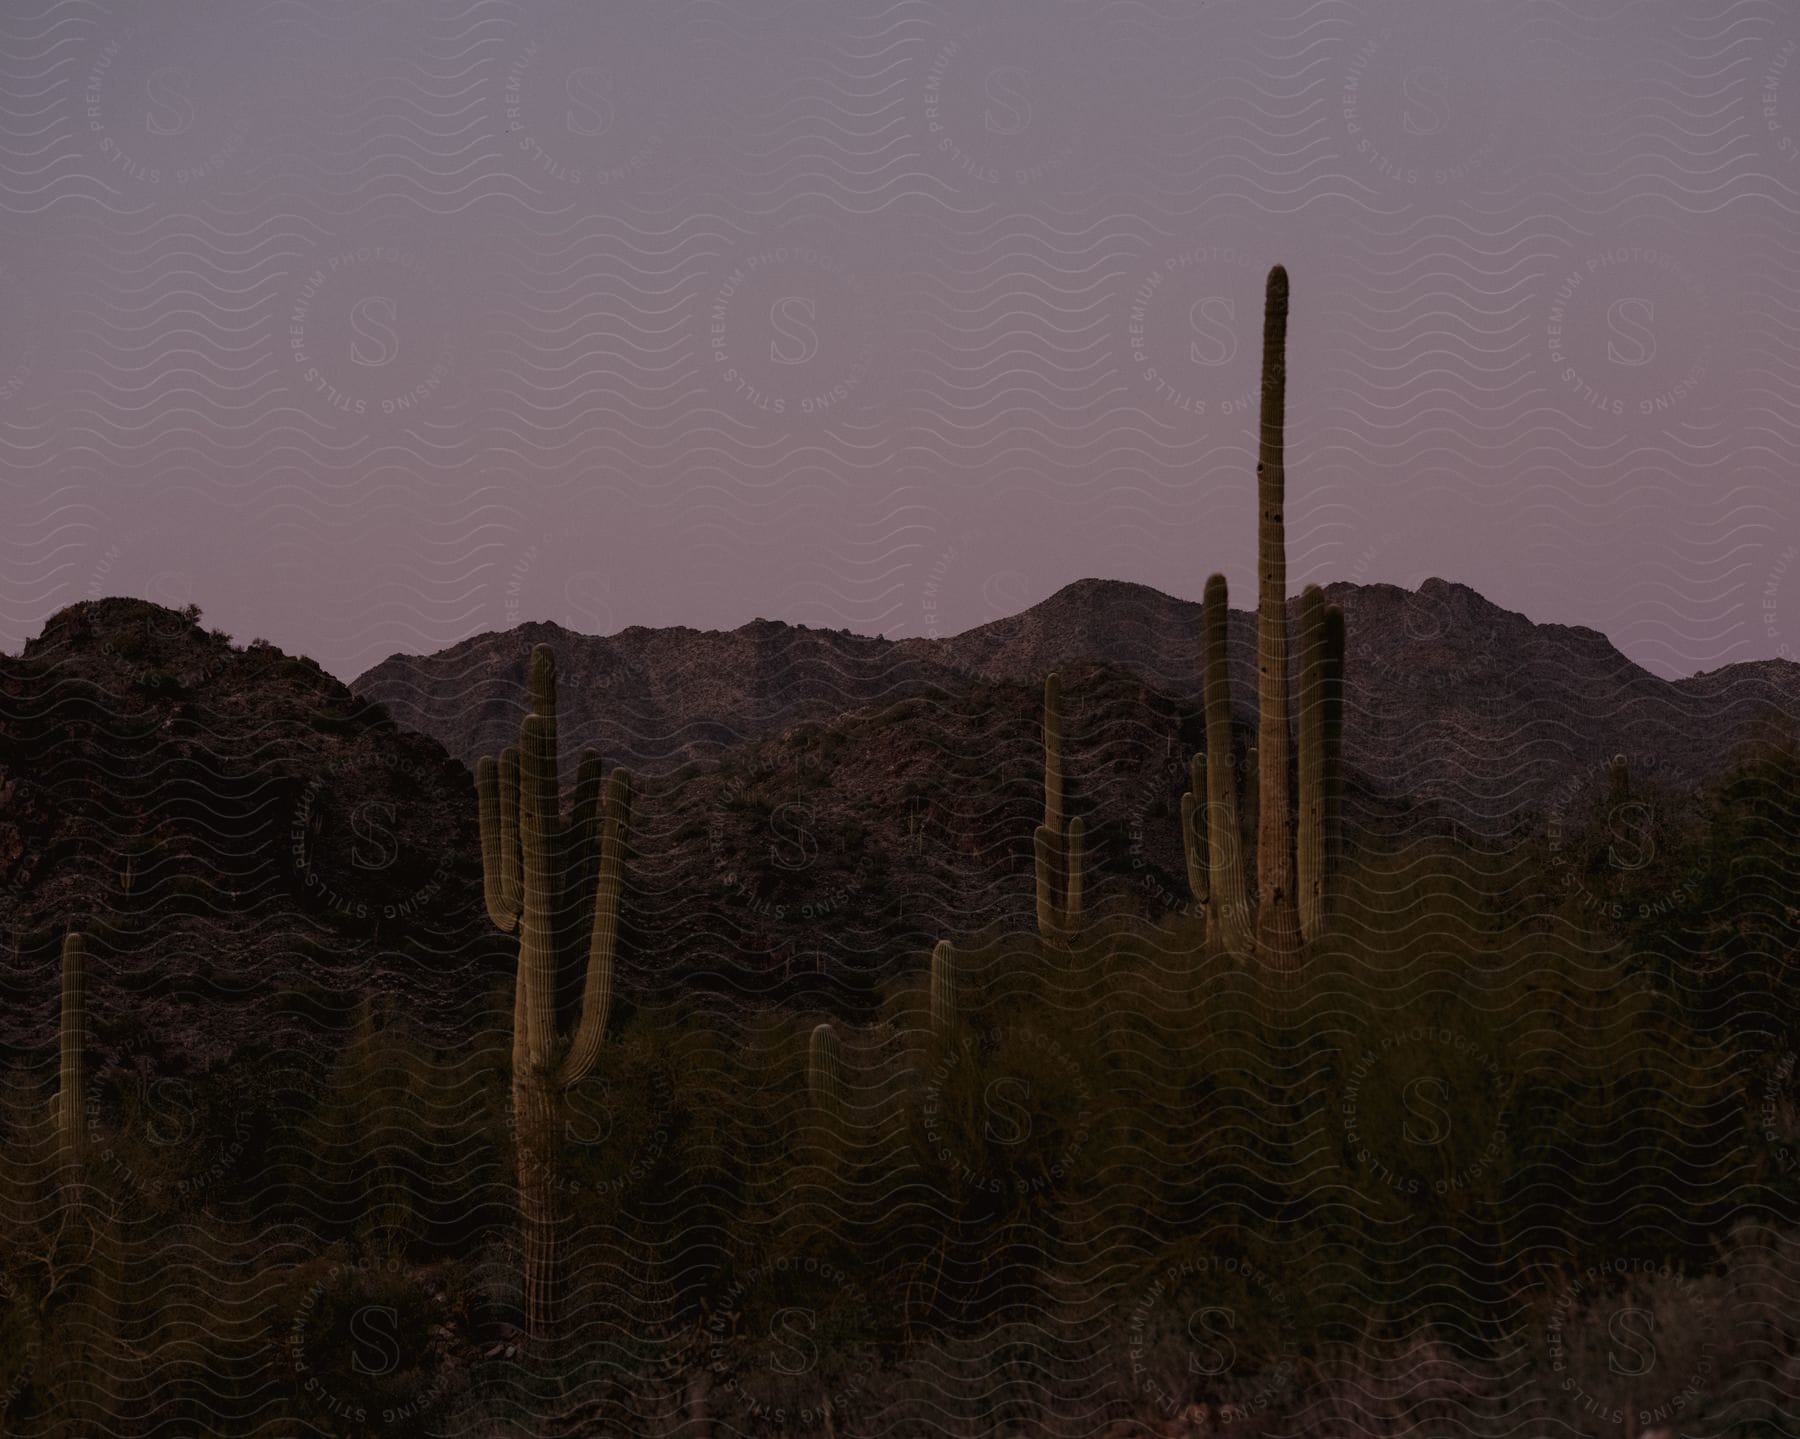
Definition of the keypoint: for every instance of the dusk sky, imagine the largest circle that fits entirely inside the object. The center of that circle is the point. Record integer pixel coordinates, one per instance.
(370, 325)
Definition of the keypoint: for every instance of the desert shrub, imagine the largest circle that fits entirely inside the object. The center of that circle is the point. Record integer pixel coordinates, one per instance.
(1479, 1137)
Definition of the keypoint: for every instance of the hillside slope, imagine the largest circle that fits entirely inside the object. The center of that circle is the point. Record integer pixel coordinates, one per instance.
(242, 838)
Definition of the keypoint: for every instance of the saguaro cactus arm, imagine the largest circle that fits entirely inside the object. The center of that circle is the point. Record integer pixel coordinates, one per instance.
(587, 817)
(1075, 851)
(1193, 831)
(1043, 848)
(1332, 727)
(540, 680)
(824, 1069)
(499, 859)
(1309, 853)
(596, 996)
(1056, 846)
(1225, 843)
(512, 876)
(1048, 840)
(943, 989)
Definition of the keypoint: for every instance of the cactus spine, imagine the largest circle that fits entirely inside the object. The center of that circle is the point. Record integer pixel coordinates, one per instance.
(536, 870)
(1229, 916)
(1278, 919)
(71, 1093)
(943, 990)
(1058, 849)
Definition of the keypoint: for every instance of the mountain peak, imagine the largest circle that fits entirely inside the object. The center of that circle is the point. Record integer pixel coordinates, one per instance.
(97, 619)
(154, 776)
(1094, 588)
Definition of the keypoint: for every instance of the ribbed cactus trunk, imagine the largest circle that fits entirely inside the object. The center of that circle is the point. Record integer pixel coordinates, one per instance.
(1278, 918)
(1058, 850)
(825, 1086)
(1049, 894)
(1225, 844)
(1043, 859)
(538, 1118)
(537, 869)
(539, 914)
(537, 1096)
(71, 1092)
(1309, 852)
(1074, 875)
(943, 990)
(1332, 735)
(825, 1077)
(824, 1069)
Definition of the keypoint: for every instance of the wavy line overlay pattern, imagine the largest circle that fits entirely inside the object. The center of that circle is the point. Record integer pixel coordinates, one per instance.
(389, 301)
(413, 333)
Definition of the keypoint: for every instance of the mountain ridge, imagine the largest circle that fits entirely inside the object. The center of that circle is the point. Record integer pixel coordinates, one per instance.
(1433, 674)
(814, 808)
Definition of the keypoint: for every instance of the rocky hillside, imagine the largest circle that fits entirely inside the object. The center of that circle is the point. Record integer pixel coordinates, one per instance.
(653, 698)
(249, 841)
(1453, 703)
(245, 841)
(817, 807)
(241, 834)
(825, 858)
(1456, 707)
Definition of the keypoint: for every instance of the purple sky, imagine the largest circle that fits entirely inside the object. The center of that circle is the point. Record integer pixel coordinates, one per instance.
(370, 326)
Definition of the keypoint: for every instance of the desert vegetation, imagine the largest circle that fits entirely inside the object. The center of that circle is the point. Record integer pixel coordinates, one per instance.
(999, 1200)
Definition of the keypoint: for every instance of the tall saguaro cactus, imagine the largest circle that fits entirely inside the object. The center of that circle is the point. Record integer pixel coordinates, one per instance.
(1294, 864)
(1058, 849)
(537, 869)
(71, 1090)
(1211, 814)
(1278, 920)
